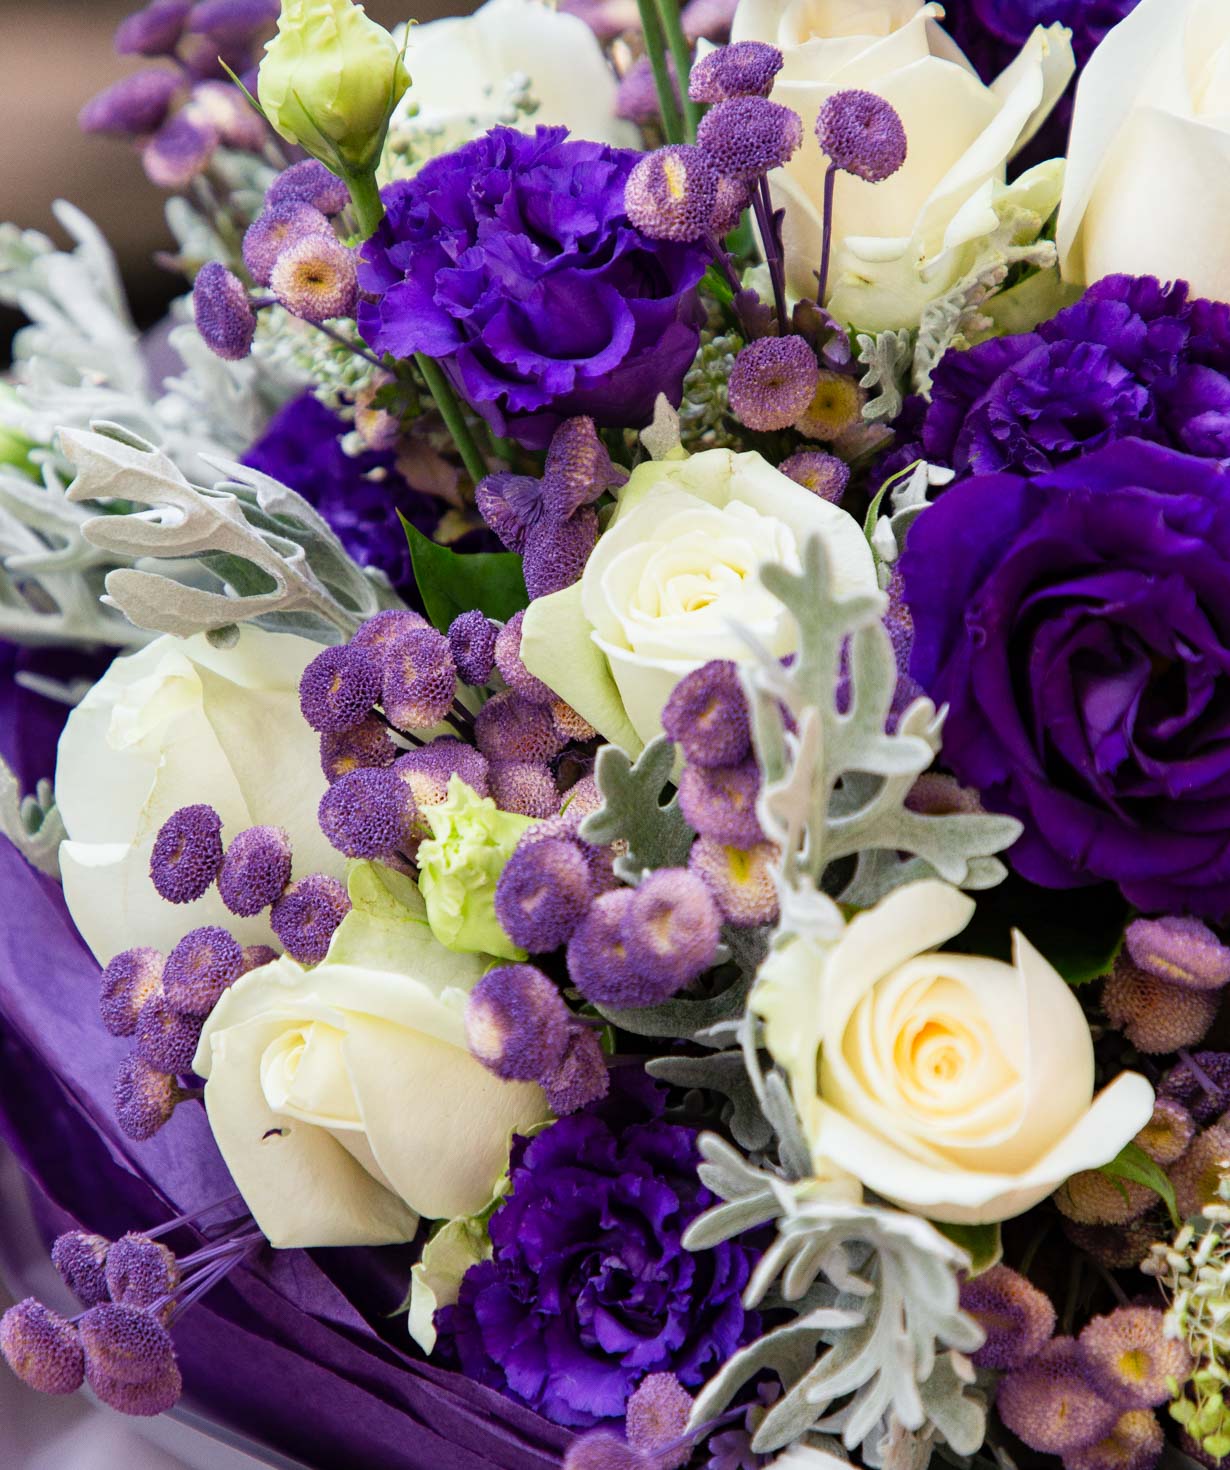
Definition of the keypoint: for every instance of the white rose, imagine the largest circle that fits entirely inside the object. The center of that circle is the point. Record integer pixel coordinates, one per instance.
(957, 1087)
(1148, 184)
(344, 1099)
(463, 67)
(673, 576)
(182, 722)
(903, 242)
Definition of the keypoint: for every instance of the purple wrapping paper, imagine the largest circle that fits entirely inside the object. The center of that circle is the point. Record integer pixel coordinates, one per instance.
(278, 1352)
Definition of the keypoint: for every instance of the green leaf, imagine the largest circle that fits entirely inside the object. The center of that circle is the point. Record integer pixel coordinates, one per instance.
(981, 1243)
(451, 583)
(1134, 1164)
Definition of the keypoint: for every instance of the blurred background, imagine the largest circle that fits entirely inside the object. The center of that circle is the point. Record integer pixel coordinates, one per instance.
(54, 56)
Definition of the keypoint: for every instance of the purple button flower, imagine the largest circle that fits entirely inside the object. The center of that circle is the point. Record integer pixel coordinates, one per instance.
(513, 262)
(1078, 626)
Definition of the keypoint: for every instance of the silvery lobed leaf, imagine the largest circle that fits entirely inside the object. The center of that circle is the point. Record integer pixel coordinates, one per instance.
(32, 823)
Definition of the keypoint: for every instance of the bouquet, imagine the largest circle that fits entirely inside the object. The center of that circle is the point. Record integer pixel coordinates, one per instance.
(637, 865)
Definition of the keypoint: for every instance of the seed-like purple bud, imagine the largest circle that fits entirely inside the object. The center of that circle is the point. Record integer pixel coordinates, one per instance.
(125, 1343)
(1135, 1442)
(862, 134)
(81, 1261)
(598, 962)
(270, 233)
(823, 474)
(581, 1078)
(367, 745)
(471, 639)
(1050, 1404)
(1092, 1198)
(599, 1449)
(200, 967)
(707, 715)
(731, 200)
(1198, 1175)
(126, 984)
(773, 382)
(135, 105)
(366, 814)
(508, 661)
(744, 69)
(223, 107)
(255, 870)
(526, 787)
(556, 552)
(720, 802)
(309, 182)
(1155, 1016)
(222, 311)
(187, 853)
(835, 408)
(232, 22)
(569, 725)
(543, 893)
(306, 916)
(740, 880)
(1168, 1132)
(657, 1417)
(671, 193)
(512, 729)
(182, 148)
(142, 1400)
(377, 635)
(517, 1024)
(42, 1348)
(1179, 950)
(420, 679)
(427, 771)
(338, 688)
(316, 278)
(256, 956)
(153, 30)
(1129, 1358)
(1018, 1318)
(167, 1039)
(144, 1099)
(671, 932)
(748, 136)
(578, 469)
(140, 1272)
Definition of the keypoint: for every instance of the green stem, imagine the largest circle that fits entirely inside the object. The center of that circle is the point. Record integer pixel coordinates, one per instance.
(672, 29)
(672, 126)
(365, 196)
(450, 412)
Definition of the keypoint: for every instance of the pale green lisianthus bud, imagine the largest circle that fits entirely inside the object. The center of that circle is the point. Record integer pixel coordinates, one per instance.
(460, 865)
(329, 81)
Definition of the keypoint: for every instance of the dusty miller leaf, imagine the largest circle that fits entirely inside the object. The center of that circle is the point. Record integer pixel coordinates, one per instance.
(656, 832)
(886, 356)
(32, 823)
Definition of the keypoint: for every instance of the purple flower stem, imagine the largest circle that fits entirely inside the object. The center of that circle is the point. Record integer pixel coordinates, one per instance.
(771, 240)
(389, 725)
(179, 1220)
(1207, 1085)
(721, 258)
(342, 341)
(822, 275)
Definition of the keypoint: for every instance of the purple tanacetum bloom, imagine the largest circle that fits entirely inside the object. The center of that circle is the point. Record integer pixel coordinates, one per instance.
(135, 105)
(42, 1348)
(223, 313)
(187, 853)
(256, 869)
(271, 232)
(125, 985)
(180, 150)
(309, 182)
(1050, 1404)
(153, 31)
(472, 637)
(744, 69)
(707, 715)
(307, 914)
(581, 1078)
(589, 1289)
(367, 813)
(200, 967)
(517, 1023)
(315, 278)
(773, 382)
(562, 307)
(862, 135)
(823, 474)
(1018, 1318)
(748, 136)
(672, 192)
(338, 688)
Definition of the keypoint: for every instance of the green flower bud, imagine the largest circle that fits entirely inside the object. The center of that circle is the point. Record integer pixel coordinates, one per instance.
(14, 446)
(329, 81)
(460, 865)
(1217, 1445)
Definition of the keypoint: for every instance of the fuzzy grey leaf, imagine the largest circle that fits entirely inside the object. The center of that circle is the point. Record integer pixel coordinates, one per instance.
(656, 832)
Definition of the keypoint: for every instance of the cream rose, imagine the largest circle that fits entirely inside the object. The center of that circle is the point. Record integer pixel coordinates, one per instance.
(343, 1098)
(903, 242)
(957, 1087)
(1148, 184)
(673, 577)
(177, 723)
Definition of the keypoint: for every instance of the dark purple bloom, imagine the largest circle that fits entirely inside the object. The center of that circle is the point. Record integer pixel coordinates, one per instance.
(1078, 626)
(589, 1289)
(135, 104)
(512, 261)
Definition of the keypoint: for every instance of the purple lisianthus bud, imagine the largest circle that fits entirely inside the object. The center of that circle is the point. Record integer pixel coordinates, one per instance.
(672, 192)
(126, 984)
(748, 136)
(556, 552)
(1182, 951)
(823, 474)
(140, 1272)
(181, 149)
(471, 639)
(135, 105)
(1155, 1016)
(671, 931)
(657, 1420)
(339, 687)
(270, 233)
(167, 1039)
(1050, 1404)
(740, 880)
(720, 802)
(602, 1450)
(517, 1024)
(125, 1343)
(598, 962)
(187, 853)
(420, 679)
(427, 771)
(225, 109)
(151, 1396)
(578, 469)
(378, 634)
(526, 787)
(1168, 1132)
(773, 382)
(42, 1348)
(729, 202)
(543, 893)
(836, 408)
(513, 671)
(222, 311)
(256, 956)
(582, 1076)
(81, 1261)
(153, 30)
(1130, 1360)
(144, 1098)
(862, 134)
(200, 967)
(366, 814)
(743, 69)
(316, 278)
(309, 182)
(510, 728)
(232, 22)
(367, 744)
(255, 870)
(306, 916)
(1017, 1318)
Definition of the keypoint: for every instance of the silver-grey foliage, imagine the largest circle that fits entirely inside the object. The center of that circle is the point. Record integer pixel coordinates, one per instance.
(31, 823)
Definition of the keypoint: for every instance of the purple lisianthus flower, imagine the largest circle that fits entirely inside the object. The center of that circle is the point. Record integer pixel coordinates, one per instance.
(1131, 359)
(1077, 624)
(589, 1289)
(513, 262)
